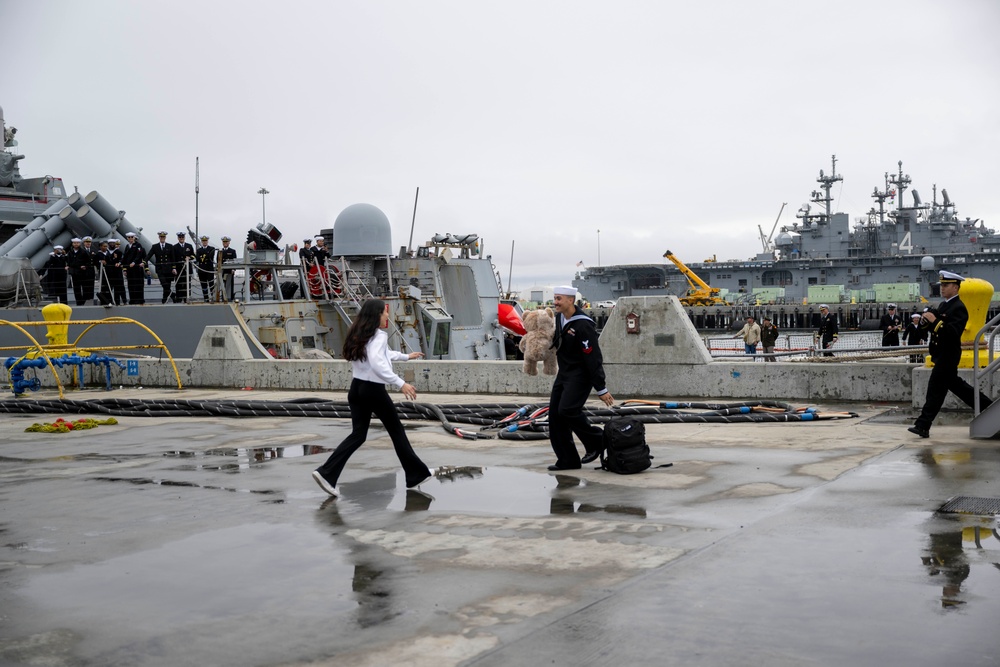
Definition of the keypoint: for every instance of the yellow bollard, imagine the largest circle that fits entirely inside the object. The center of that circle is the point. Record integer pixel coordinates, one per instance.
(976, 294)
(58, 333)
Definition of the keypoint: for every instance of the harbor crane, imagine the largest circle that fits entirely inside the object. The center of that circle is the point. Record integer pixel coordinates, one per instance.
(699, 292)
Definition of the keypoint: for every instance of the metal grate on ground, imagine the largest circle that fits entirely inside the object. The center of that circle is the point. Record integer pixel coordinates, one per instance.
(971, 505)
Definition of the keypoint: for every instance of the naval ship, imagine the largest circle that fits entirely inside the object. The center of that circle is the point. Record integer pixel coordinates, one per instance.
(892, 254)
(443, 296)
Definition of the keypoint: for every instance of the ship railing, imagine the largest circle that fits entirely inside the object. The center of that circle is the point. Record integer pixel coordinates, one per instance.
(991, 332)
(803, 347)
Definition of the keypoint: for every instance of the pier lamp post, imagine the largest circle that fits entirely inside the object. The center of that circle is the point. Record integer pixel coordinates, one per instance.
(263, 203)
(598, 247)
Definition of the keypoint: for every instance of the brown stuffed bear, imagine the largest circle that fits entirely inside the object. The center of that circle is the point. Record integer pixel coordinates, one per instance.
(537, 343)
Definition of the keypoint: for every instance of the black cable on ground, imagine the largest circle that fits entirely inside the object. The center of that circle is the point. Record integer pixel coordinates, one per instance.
(510, 421)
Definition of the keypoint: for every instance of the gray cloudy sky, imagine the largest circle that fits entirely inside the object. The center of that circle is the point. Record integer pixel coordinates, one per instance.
(680, 125)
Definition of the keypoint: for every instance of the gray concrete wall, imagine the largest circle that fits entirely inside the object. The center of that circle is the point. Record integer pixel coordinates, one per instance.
(635, 365)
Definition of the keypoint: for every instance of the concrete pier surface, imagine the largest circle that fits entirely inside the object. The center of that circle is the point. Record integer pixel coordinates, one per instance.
(204, 541)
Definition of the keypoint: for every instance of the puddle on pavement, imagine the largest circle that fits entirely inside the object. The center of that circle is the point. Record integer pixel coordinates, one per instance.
(962, 556)
(503, 491)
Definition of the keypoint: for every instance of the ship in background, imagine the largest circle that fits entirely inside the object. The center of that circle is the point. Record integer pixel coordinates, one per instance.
(443, 296)
(892, 255)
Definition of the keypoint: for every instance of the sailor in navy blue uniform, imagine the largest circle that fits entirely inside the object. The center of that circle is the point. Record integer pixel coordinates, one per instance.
(184, 257)
(945, 324)
(227, 255)
(134, 265)
(164, 255)
(581, 368)
(890, 324)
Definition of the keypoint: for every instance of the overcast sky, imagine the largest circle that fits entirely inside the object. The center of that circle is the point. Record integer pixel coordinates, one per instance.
(665, 125)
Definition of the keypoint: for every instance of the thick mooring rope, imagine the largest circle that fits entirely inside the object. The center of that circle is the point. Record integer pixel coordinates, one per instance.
(495, 420)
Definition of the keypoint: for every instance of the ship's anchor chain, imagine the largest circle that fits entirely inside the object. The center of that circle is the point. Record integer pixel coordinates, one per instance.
(507, 421)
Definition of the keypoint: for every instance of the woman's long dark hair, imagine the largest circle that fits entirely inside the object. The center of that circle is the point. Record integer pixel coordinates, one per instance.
(362, 329)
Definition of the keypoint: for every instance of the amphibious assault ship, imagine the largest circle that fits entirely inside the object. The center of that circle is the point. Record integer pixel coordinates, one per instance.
(443, 296)
(892, 254)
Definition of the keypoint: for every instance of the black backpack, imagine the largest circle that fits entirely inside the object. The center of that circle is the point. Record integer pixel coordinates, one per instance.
(625, 451)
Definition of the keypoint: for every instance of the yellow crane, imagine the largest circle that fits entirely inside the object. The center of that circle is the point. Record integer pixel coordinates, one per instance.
(699, 292)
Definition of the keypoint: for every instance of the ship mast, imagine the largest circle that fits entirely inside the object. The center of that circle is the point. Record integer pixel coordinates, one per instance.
(826, 183)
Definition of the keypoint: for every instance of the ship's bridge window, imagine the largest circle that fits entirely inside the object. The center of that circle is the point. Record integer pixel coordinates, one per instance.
(436, 330)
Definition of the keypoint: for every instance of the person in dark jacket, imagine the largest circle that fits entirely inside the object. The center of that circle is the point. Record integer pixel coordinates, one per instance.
(914, 334)
(227, 255)
(828, 332)
(80, 269)
(164, 255)
(768, 337)
(54, 274)
(134, 264)
(184, 257)
(945, 325)
(102, 263)
(581, 369)
(116, 272)
(306, 252)
(204, 256)
(890, 324)
(319, 253)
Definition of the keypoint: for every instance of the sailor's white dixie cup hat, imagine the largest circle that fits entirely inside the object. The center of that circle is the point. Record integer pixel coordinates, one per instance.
(949, 277)
(565, 290)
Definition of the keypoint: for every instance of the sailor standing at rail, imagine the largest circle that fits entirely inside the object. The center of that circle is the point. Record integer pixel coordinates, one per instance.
(946, 324)
(827, 334)
(581, 368)
(306, 253)
(134, 265)
(320, 254)
(227, 255)
(54, 274)
(116, 272)
(890, 324)
(79, 259)
(205, 258)
(102, 261)
(184, 256)
(88, 273)
(164, 255)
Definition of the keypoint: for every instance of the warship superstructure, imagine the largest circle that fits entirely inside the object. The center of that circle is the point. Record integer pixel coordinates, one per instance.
(822, 257)
(443, 296)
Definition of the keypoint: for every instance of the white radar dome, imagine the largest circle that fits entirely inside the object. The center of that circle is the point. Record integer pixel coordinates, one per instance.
(362, 230)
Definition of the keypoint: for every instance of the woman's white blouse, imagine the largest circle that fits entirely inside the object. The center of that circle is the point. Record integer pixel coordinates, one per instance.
(377, 366)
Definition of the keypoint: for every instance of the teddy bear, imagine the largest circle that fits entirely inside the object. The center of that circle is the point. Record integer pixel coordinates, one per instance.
(537, 343)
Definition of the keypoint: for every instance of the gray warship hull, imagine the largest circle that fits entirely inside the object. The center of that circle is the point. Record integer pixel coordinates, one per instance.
(891, 254)
(443, 296)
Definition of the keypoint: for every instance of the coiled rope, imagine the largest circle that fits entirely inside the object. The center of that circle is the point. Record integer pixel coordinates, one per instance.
(509, 421)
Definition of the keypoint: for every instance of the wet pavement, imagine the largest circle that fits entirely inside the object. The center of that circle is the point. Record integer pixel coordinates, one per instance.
(204, 541)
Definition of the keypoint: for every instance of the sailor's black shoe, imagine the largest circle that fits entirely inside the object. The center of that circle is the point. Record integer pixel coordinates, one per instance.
(590, 456)
(922, 432)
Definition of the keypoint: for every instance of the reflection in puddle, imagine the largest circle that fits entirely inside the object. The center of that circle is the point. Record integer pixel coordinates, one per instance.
(952, 554)
(503, 491)
(139, 481)
(257, 454)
